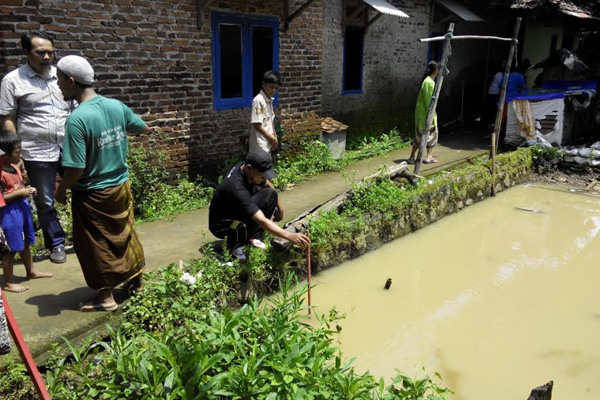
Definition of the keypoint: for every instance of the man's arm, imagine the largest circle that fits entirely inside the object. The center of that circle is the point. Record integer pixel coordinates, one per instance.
(272, 138)
(70, 177)
(10, 123)
(273, 228)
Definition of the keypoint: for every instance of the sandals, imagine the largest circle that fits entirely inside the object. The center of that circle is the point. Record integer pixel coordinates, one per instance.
(238, 253)
(94, 305)
(432, 161)
(257, 243)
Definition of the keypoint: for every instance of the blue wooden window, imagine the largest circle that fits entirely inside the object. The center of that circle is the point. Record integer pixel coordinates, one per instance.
(243, 48)
(353, 60)
(435, 49)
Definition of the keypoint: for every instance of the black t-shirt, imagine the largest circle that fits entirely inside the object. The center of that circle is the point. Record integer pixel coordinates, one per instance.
(233, 199)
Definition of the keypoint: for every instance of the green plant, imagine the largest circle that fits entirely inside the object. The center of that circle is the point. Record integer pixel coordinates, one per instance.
(179, 300)
(262, 351)
(154, 194)
(545, 159)
(15, 382)
(314, 159)
(405, 388)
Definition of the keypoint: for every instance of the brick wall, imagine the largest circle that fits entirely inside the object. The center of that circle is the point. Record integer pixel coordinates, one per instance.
(151, 55)
(394, 60)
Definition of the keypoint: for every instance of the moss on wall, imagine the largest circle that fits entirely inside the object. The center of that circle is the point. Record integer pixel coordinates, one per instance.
(338, 237)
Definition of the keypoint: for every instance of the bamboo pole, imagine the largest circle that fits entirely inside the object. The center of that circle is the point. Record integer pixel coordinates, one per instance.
(434, 99)
(463, 37)
(498, 122)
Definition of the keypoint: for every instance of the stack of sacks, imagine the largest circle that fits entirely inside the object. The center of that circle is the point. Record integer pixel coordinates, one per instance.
(581, 158)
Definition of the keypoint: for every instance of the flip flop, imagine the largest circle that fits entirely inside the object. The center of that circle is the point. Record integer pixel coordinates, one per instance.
(257, 243)
(430, 161)
(93, 305)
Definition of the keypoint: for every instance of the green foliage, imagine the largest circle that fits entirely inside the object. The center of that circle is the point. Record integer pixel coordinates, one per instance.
(406, 388)
(178, 301)
(388, 198)
(153, 196)
(316, 158)
(545, 159)
(330, 229)
(15, 382)
(372, 124)
(373, 146)
(262, 351)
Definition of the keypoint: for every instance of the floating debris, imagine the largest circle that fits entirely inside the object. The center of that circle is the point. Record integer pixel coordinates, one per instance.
(388, 283)
(527, 209)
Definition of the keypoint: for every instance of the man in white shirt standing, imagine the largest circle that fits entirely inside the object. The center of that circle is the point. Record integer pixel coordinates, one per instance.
(32, 105)
(262, 128)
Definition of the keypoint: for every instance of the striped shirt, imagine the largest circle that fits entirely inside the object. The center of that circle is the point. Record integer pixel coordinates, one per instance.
(41, 111)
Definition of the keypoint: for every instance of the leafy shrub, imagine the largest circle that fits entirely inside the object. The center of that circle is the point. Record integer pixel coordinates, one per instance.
(153, 196)
(316, 158)
(180, 302)
(14, 382)
(545, 159)
(259, 352)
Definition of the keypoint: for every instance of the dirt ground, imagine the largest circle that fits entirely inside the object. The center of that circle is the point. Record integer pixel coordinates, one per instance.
(589, 181)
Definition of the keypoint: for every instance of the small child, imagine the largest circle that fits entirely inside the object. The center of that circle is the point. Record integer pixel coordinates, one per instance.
(16, 220)
(262, 129)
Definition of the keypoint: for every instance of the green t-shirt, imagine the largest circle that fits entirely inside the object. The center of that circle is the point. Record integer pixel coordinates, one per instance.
(423, 101)
(96, 140)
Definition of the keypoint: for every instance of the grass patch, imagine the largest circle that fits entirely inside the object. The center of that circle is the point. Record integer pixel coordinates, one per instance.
(316, 158)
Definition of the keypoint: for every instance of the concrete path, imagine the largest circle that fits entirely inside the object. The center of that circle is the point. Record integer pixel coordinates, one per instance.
(49, 309)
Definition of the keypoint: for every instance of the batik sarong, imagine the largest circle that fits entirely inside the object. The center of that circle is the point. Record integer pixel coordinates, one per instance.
(106, 243)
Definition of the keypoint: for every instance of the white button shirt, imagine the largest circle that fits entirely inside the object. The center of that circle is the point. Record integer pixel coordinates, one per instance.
(40, 109)
(262, 112)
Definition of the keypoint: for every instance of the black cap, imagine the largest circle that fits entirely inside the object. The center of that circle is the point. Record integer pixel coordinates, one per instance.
(262, 161)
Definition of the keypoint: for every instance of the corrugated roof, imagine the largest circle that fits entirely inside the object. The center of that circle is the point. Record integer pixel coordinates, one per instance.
(585, 9)
(460, 10)
(386, 8)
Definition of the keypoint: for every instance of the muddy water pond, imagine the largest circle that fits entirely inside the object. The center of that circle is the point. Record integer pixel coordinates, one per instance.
(498, 299)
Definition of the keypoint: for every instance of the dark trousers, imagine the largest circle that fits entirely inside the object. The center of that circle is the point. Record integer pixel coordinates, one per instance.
(238, 231)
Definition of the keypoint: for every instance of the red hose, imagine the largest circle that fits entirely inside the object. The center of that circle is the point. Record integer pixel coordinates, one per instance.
(309, 274)
(13, 327)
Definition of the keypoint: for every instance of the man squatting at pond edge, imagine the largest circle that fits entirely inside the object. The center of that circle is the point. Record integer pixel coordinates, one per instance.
(245, 203)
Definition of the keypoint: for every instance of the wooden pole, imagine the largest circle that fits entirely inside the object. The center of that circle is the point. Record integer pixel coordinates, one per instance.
(498, 122)
(434, 98)
(35, 375)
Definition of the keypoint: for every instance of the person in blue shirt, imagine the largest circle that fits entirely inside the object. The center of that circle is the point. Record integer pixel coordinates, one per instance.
(516, 83)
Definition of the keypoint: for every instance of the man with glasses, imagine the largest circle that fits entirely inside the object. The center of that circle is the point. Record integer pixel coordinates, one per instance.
(31, 105)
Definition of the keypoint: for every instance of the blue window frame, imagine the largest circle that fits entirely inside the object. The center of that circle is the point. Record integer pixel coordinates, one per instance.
(243, 48)
(435, 49)
(353, 60)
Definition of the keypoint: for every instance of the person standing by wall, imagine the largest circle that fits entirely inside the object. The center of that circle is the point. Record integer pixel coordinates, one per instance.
(32, 106)
(262, 127)
(493, 95)
(94, 158)
(421, 110)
